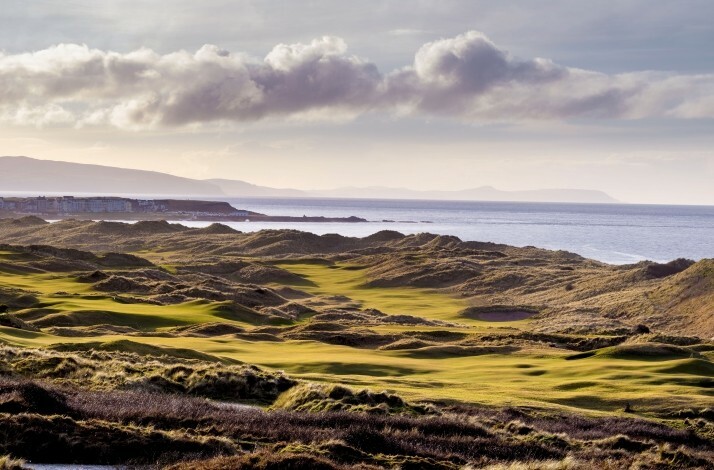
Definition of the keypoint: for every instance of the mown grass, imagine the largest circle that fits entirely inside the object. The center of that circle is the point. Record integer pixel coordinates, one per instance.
(350, 281)
(598, 383)
(607, 381)
(76, 304)
(115, 381)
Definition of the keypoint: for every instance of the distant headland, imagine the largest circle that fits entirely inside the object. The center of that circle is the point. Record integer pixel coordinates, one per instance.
(23, 174)
(66, 207)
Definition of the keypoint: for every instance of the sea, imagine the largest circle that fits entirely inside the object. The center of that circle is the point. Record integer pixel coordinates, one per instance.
(612, 233)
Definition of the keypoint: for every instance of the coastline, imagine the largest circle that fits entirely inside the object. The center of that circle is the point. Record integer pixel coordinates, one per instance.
(616, 234)
(180, 216)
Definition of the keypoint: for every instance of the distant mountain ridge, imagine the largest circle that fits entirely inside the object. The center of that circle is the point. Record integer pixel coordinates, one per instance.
(483, 193)
(24, 174)
(50, 176)
(243, 189)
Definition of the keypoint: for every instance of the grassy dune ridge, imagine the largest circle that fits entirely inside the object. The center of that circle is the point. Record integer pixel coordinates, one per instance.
(331, 322)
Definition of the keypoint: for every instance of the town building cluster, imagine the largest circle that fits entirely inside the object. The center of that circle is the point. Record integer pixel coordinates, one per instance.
(66, 205)
(75, 205)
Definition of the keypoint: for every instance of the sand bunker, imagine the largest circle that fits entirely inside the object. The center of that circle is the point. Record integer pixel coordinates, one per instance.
(503, 316)
(499, 313)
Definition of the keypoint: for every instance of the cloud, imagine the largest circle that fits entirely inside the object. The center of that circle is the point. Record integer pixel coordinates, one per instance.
(460, 76)
(467, 77)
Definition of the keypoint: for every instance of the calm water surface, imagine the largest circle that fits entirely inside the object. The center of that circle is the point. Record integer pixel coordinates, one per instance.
(614, 233)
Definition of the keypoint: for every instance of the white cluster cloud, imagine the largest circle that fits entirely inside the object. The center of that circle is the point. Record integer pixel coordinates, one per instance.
(466, 77)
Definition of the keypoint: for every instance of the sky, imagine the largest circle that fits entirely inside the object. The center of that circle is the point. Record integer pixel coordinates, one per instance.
(428, 94)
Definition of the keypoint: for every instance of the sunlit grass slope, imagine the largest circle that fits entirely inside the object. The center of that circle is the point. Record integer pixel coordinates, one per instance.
(350, 281)
(603, 382)
(595, 383)
(78, 305)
